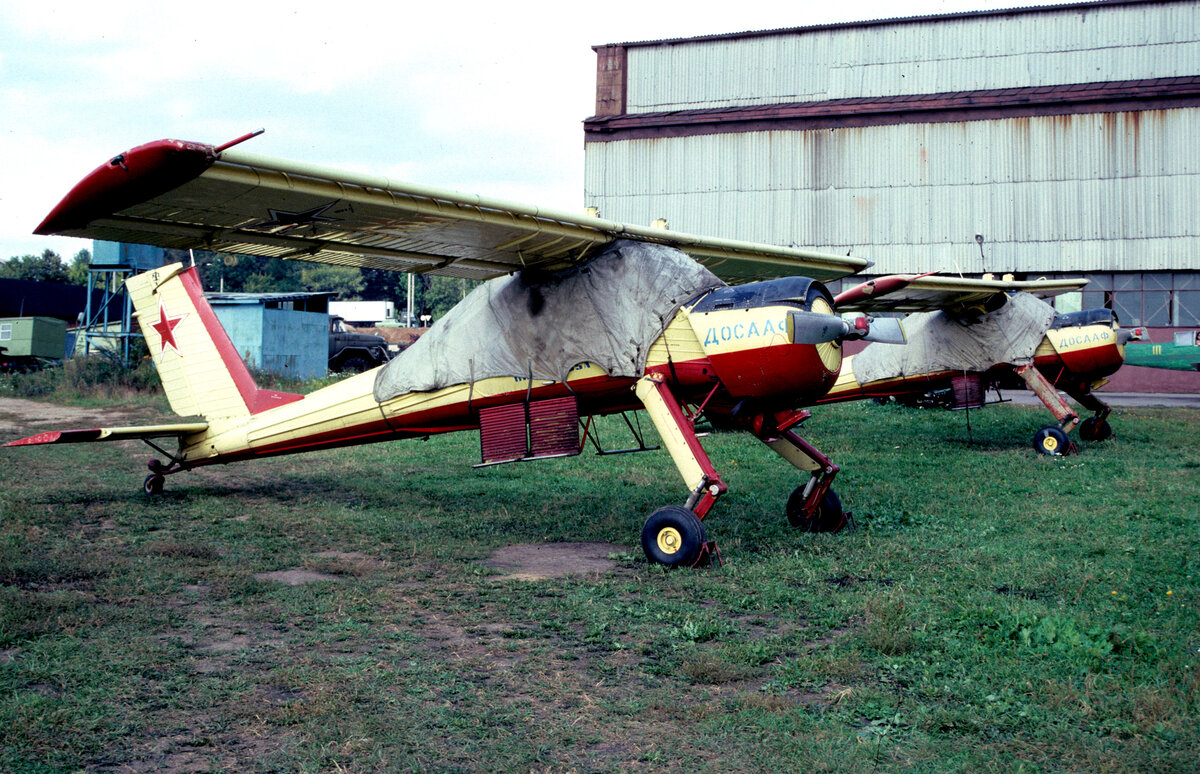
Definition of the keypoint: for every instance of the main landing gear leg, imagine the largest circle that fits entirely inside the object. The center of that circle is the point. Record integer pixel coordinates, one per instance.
(813, 506)
(1095, 427)
(1051, 440)
(673, 535)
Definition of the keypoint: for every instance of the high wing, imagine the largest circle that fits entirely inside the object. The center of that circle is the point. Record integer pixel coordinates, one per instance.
(926, 292)
(112, 434)
(183, 195)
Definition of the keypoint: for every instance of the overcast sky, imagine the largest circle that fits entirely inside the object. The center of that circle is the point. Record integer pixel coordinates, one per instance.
(486, 98)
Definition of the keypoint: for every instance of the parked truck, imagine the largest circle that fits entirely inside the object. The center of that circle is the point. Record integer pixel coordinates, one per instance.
(353, 351)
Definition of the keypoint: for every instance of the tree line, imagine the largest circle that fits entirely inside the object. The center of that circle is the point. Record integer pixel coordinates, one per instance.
(252, 274)
(48, 267)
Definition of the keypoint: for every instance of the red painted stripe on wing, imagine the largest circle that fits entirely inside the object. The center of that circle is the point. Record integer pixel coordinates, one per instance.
(256, 400)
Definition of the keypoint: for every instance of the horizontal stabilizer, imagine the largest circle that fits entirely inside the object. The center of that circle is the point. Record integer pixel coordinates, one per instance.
(112, 434)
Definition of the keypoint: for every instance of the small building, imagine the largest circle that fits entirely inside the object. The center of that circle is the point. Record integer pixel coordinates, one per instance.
(31, 341)
(281, 333)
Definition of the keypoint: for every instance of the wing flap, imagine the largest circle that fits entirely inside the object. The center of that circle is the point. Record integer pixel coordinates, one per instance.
(247, 204)
(112, 434)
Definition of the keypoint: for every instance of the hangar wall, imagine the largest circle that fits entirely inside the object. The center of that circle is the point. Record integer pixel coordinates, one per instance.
(1073, 191)
(1063, 135)
(1077, 43)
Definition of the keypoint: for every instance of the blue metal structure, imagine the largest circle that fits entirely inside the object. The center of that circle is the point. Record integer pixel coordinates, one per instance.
(112, 263)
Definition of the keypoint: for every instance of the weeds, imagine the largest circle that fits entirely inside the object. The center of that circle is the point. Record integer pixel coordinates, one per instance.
(995, 611)
(86, 379)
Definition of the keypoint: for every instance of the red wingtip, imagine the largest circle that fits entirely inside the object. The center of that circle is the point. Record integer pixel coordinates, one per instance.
(58, 436)
(125, 180)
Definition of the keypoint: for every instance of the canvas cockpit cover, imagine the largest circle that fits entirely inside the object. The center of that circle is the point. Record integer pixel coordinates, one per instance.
(938, 341)
(607, 312)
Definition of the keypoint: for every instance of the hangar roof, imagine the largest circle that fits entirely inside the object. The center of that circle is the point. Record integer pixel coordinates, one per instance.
(1019, 10)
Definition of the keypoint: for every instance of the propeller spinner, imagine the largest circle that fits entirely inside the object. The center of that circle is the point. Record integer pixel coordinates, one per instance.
(817, 328)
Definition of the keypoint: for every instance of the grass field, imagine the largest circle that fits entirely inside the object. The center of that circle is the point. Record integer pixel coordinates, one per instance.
(994, 610)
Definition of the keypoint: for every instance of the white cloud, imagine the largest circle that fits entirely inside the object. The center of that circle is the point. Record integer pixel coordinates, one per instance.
(481, 97)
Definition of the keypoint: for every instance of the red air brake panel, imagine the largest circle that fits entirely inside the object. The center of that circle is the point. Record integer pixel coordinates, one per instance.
(543, 428)
(502, 433)
(554, 427)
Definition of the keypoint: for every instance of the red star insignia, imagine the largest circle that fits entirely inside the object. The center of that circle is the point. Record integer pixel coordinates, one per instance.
(166, 328)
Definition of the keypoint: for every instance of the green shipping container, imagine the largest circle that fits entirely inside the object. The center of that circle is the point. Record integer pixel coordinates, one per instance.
(33, 337)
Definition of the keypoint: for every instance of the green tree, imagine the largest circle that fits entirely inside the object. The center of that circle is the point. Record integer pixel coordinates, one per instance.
(245, 273)
(441, 293)
(81, 264)
(346, 281)
(47, 267)
(383, 285)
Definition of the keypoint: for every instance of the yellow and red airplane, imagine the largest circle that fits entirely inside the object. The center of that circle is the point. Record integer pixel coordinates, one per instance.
(967, 335)
(579, 317)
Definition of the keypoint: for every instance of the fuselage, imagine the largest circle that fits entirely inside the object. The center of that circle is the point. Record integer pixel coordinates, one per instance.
(1080, 350)
(731, 345)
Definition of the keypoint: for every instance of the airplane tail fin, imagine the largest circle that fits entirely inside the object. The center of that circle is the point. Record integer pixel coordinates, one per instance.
(200, 368)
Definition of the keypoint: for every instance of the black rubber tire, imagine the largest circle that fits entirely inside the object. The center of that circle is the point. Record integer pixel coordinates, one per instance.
(673, 536)
(829, 516)
(153, 485)
(355, 364)
(1051, 441)
(1092, 429)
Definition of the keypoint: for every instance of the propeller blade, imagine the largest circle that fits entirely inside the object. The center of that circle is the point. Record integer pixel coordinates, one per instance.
(816, 328)
(886, 330)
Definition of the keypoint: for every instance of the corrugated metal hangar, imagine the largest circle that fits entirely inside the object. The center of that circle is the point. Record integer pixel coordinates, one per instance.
(1046, 141)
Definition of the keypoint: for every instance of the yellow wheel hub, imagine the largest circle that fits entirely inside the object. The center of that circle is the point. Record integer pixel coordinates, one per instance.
(669, 540)
(1050, 443)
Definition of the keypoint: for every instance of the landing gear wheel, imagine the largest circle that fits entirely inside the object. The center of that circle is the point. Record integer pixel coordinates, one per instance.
(1092, 429)
(828, 517)
(153, 485)
(1051, 441)
(673, 536)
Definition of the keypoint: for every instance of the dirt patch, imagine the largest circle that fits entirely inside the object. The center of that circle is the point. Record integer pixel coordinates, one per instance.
(295, 577)
(353, 563)
(18, 415)
(532, 561)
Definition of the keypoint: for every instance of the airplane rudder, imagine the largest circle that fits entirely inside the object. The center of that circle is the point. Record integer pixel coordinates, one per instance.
(187, 344)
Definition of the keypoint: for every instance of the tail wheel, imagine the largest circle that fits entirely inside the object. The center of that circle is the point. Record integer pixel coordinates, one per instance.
(1092, 429)
(827, 517)
(673, 536)
(1051, 441)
